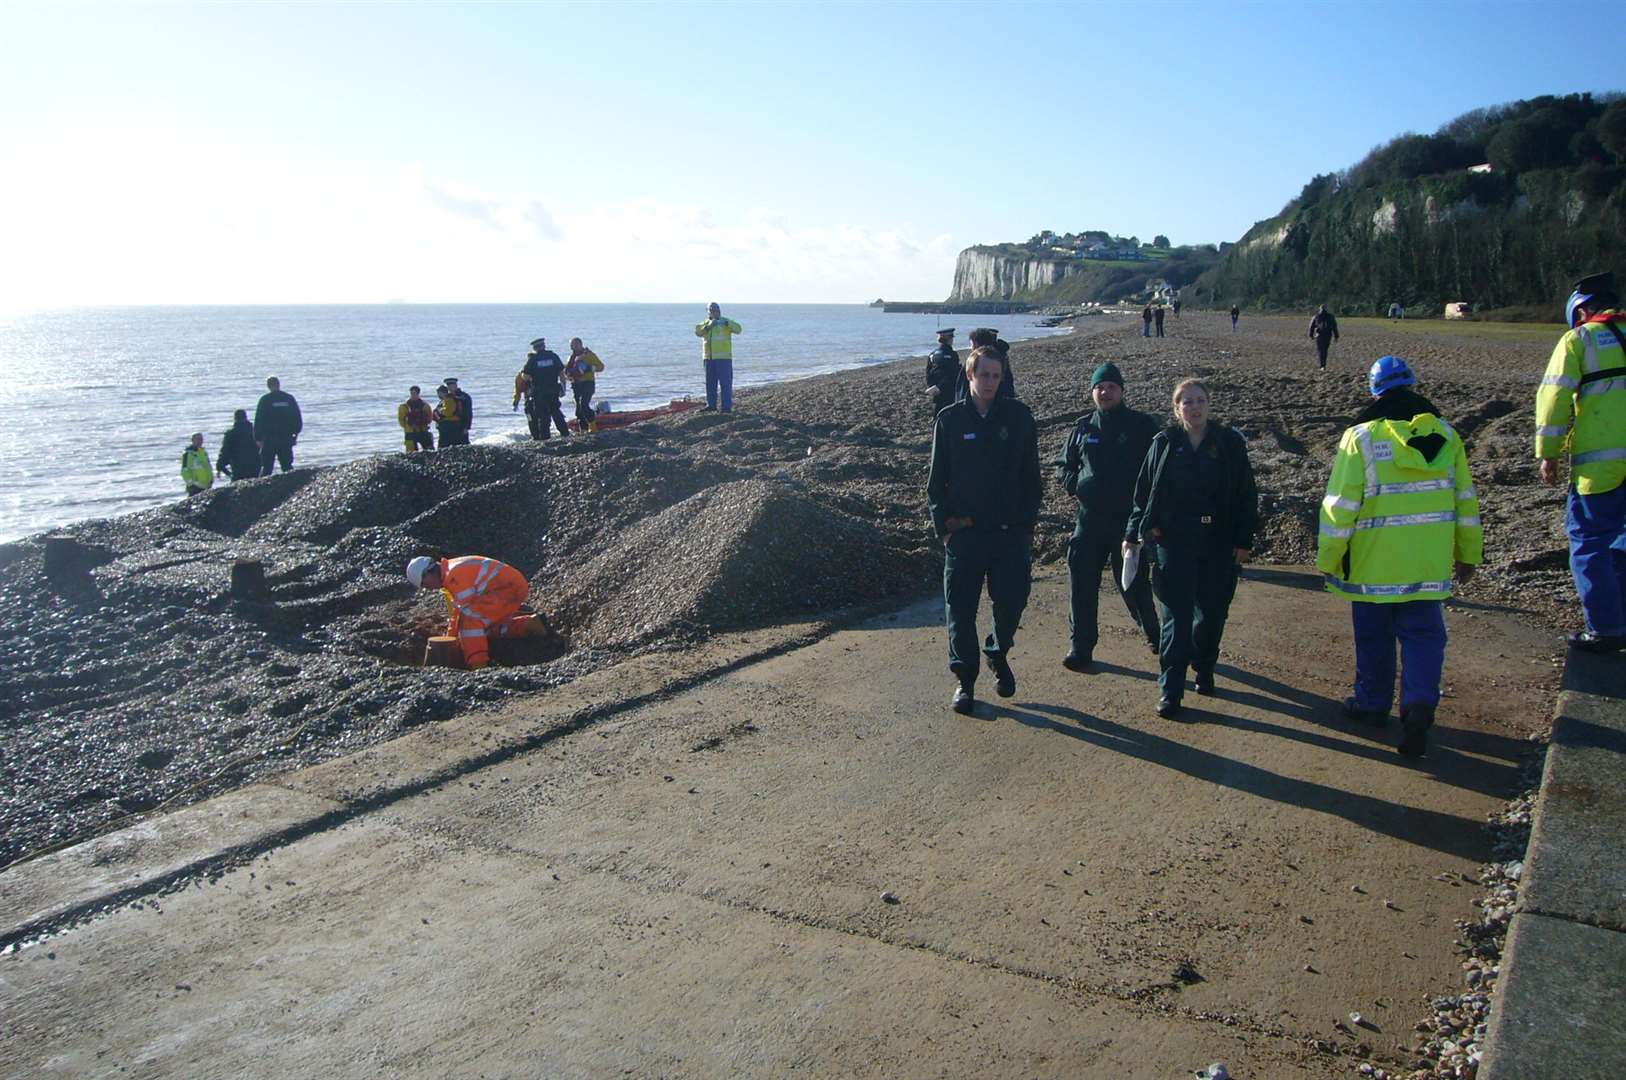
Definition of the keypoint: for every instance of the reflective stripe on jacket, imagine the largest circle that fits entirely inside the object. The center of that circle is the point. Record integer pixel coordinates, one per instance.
(480, 593)
(717, 338)
(1397, 518)
(1578, 384)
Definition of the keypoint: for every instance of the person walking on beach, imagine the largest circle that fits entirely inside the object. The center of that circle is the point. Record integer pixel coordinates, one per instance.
(984, 337)
(1236, 313)
(414, 415)
(1195, 509)
(483, 596)
(195, 470)
(447, 412)
(465, 409)
(942, 370)
(984, 493)
(582, 370)
(717, 350)
(540, 381)
(1324, 329)
(1400, 516)
(1098, 467)
(1581, 413)
(239, 456)
(277, 425)
(1146, 321)
(1157, 318)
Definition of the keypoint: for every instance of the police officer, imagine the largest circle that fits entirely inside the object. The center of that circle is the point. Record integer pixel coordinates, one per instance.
(983, 490)
(277, 424)
(1399, 516)
(942, 370)
(545, 371)
(1586, 381)
(984, 337)
(1098, 467)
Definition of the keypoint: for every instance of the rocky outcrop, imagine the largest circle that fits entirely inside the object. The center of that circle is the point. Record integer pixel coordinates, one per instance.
(984, 273)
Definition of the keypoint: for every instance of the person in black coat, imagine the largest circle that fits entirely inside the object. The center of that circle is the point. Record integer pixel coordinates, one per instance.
(942, 370)
(239, 456)
(985, 338)
(277, 425)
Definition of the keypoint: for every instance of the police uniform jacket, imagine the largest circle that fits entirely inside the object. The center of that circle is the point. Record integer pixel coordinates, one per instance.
(277, 419)
(985, 468)
(1099, 465)
(545, 369)
(942, 368)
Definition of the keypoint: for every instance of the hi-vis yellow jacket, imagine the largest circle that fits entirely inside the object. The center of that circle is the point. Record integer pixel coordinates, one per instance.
(717, 338)
(195, 467)
(1586, 376)
(1396, 516)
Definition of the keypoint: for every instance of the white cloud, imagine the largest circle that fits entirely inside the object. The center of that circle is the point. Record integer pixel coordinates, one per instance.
(146, 217)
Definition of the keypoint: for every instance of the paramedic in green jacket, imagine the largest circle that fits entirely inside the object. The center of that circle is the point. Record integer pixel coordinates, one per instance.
(984, 494)
(1098, 467)
(1400, 515)
(716, 336)
(1195, 511)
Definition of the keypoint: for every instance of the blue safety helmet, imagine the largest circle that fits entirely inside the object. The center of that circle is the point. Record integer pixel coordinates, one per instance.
(1577, 299)
(1388, 373)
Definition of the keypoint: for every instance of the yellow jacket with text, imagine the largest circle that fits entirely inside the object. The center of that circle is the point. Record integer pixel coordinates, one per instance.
(1585, 382)
(1400, 511)
(717, 338)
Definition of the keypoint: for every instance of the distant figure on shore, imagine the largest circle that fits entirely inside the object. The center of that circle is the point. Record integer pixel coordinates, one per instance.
(1098, 467)
(984, 337)
(942, 371)
(239, 456)
(483, 597)
(1396, 312)
(195, 469)
(1146, 321)
(1324, 329)
(582, 369)
(465, 409)
(415, 416)
(717, 350)
(1236, 313)
(984, 492)
(1175, 304)
(277, 425)
(1584, 381)
(540, 381)
(447, 412)
(1196, 507)
(1400, 515)
(1157, 318)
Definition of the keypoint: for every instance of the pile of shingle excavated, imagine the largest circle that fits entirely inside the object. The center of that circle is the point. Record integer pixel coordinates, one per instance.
(132, 674)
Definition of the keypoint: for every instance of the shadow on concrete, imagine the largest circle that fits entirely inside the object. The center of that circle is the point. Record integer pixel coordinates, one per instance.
(1414, 825)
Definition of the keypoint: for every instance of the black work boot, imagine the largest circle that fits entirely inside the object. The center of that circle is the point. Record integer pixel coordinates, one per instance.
(1205, 683)
(1077, 661)
(1370, 717)
(1004, 678)
(965, 698)
(1415, 720)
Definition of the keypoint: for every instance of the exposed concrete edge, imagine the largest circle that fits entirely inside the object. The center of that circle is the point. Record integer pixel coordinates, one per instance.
(1560, 1006)
(191, 848)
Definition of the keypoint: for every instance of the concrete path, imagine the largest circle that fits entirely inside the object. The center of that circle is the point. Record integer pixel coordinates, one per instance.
(676, 867)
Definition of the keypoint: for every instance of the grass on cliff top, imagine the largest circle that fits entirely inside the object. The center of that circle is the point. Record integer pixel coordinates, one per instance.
(1547, 333)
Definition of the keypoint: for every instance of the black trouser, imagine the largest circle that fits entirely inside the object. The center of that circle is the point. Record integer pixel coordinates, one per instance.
(584, 393)
(1322, 344)
(1004, 560)
(419, 440)
(540, 411)
(1194, 583)
(1085, 557)
(1159, 324)
(272, 453)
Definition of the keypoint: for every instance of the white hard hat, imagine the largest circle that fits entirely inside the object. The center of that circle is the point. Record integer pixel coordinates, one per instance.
(417, 568)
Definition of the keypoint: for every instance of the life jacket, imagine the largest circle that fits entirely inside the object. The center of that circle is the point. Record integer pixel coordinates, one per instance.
(418, 414)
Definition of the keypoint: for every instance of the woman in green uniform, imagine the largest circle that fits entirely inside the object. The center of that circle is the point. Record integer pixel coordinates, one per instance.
(1196, 508)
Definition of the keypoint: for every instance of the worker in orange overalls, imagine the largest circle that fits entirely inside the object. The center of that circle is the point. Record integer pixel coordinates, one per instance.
(483, 596)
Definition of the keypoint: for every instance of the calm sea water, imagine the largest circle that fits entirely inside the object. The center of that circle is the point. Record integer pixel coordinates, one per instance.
(99, 402)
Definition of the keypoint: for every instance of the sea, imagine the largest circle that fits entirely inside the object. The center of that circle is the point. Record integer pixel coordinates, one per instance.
(98, 403)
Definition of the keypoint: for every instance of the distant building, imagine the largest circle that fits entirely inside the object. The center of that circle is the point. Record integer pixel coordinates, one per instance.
(1480, 168)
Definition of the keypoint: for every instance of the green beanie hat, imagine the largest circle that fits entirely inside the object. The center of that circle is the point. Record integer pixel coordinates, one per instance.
(1107, 372)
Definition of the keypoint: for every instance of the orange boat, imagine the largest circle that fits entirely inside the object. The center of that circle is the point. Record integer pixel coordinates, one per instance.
(607, 419)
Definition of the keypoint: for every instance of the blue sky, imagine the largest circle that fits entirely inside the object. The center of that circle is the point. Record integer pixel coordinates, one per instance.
(753, 152)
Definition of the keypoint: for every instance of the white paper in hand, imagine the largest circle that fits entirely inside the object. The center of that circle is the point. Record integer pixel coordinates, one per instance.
(1131, 567)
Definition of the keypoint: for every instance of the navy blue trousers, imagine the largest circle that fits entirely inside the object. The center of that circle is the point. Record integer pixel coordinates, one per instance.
(1597, 528)
(1419, 627)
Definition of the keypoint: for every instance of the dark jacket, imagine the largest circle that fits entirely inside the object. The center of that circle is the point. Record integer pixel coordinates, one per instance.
(239, 457)
(466, 413)
(545, 369)
(1324, 326)
(1099, 466)
(985, 468)
(1154, 509)
(942, 369)
(277, 419)
(1401, 403)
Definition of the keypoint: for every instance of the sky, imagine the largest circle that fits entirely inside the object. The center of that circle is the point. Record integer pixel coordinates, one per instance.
(763, 152)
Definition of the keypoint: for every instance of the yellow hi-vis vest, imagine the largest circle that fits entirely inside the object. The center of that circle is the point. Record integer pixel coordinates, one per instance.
(195, 468)
(1402, 519)
(717, 338)
(1586, 376)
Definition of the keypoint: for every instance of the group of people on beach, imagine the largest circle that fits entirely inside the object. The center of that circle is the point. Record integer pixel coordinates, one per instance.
(1172, 507)
(247, 449)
